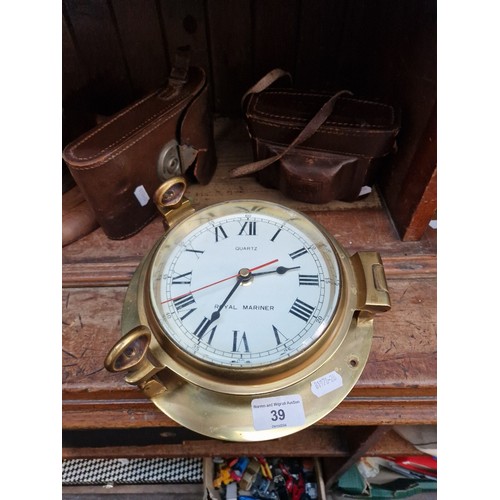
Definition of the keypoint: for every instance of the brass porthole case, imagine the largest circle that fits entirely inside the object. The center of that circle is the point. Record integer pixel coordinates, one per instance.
(247, 321)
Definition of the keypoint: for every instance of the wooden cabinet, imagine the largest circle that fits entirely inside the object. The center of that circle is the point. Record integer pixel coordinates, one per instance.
(113, 52)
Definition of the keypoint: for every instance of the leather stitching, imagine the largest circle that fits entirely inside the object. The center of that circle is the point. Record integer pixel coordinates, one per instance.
(322, 130)
(303, 149)
(293, 118)
(129, 133)
(122, 150)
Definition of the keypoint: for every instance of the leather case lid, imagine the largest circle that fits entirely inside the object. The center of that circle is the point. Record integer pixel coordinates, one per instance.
(116, 163)
(356, 126)
(101, 143)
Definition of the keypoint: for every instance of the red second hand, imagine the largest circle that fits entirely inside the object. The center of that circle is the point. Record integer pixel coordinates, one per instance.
(220, 281)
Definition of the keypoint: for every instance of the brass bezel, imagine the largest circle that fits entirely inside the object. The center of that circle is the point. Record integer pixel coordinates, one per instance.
(216, 401)
(258, 379)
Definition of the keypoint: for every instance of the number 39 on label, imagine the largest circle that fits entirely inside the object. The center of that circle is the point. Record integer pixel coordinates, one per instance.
(276, 412)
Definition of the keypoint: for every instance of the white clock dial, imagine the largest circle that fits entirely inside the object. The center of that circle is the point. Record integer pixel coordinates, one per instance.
(236, 285)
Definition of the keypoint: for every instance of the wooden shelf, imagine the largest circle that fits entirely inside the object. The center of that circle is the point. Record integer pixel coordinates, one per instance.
(398, 385)
(336, 442)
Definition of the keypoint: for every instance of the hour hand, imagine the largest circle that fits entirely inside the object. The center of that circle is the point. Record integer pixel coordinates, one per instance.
(278, 270)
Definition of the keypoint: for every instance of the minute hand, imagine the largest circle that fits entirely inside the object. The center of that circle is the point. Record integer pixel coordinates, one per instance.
(278, 270)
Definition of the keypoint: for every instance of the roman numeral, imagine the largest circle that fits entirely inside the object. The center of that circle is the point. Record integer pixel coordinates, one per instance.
(248, 228)
(184, 301)
(188, 313)
(220, 233)
(298, 253)
(276, 234)
(196, 252)
(301, 310)
(182, 279)
(278, 335)
(237, 343)
(202, 328)
(212, 331)
(309, 279)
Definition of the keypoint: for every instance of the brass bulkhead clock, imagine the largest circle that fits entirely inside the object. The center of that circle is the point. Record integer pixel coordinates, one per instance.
(247, 321)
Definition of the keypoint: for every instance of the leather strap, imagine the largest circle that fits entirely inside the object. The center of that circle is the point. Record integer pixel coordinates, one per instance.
(264, 82)
(312, 126)
(179, 72)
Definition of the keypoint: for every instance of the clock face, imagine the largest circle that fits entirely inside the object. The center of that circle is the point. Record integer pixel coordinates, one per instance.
(244, 284)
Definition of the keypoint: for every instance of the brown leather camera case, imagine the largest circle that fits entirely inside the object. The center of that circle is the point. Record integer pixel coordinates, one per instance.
(116, 163)
(314, 146)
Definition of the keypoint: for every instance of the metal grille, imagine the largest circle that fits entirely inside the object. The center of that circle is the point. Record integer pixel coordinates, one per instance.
(131, 471)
